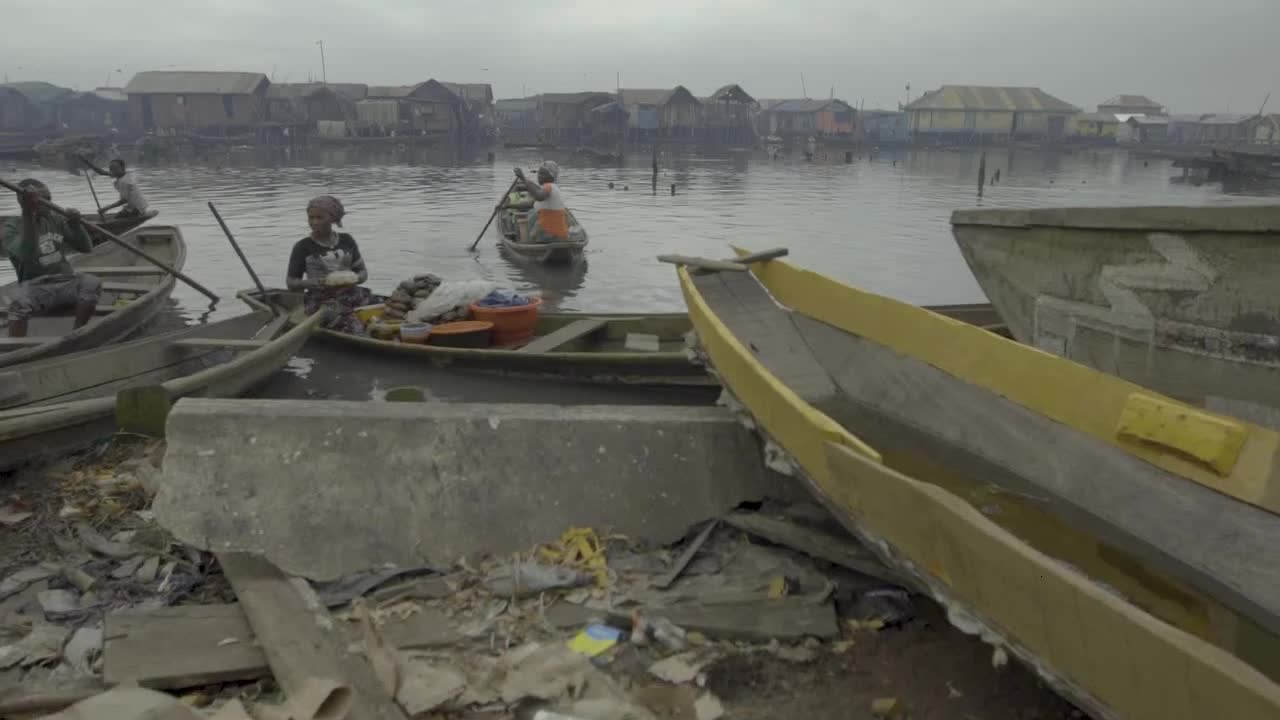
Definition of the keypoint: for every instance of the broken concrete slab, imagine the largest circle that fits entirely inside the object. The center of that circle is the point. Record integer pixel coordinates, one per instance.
(408, 483)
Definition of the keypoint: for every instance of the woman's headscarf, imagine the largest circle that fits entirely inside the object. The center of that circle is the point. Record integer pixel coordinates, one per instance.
(552, 169)
(330, 205)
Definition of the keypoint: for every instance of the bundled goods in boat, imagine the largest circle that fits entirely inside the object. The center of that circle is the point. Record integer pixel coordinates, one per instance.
(408, 294)
(450, 301)
(341, 278)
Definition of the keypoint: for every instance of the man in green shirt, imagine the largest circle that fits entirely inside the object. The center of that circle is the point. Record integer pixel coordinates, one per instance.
(37, 245)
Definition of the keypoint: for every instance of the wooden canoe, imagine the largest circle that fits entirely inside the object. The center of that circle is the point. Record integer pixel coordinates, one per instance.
(973, 464)
(133, 291)
(63, 403)
(514, 235)
(571, 346)
(1181, 300)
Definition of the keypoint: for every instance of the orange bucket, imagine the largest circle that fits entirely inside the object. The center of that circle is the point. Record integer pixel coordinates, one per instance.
(511, 325)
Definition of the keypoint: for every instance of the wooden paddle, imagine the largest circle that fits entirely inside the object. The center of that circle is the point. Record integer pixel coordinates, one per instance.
(236, 246)
(95, 196)
(115, 239)
(501, 201)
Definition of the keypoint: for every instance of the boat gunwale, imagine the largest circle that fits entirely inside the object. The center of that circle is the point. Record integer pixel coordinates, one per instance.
(1225, 219)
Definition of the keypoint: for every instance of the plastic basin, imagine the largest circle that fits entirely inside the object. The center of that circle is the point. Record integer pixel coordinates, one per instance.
(511, 325)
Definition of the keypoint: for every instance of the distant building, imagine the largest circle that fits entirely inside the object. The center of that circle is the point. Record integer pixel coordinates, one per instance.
(428, 108)
(805, 117)
(166, 101)
(661, 113)
(1222, 129)
(566, 117)
(727, 115)
(1131, 105)
(1184, 128)
(31, 105)
(1263, 129)
(17, 112)
(478, 98)
(1098, 126)
(517, 118)
(1146, 129)
(100, 110)
(970, 111)
(883, 127)
(304, 103)
(608, 122)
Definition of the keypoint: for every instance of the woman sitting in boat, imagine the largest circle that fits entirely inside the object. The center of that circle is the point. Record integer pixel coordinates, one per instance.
(549, 221)
(326, 265)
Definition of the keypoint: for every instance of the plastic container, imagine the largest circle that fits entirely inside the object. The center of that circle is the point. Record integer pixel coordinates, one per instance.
(368, 313)
(415, 333)
(385, 330)
(511, 325)
(463, 334)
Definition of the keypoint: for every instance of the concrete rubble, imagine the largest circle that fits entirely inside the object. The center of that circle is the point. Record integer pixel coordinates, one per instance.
(116, 615)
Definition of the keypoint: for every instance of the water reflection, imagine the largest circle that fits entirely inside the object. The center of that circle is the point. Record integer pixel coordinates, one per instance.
(880, 221)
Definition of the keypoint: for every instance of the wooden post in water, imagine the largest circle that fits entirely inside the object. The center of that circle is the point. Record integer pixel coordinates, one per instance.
(982, 173)
(655, 167)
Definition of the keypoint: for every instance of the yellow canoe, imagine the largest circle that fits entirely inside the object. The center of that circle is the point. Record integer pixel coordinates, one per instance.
(1034, 498)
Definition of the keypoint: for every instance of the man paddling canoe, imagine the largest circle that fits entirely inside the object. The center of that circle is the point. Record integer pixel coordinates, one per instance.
(37, 244)
(132, 203)
(549, 221)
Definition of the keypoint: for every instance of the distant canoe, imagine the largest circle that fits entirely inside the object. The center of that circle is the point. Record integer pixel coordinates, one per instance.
(512, 225)
(133, 291)
(1181, 300)
(63, 403)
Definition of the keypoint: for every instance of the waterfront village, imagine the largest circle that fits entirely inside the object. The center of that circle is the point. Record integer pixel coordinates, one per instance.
(247, 108)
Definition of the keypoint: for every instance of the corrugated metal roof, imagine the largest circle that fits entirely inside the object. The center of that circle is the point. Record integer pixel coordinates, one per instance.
(471, 91)
(110, 93)
(1223, 119)
(1141, 101)
(292, 91)
(40, 92)
(576, 98)
(983, 98)
(161, 82)
(1148, 120)
(810, 106)
(732, 93)
(1102, 117)
(352, 91)
(656, 98)
(610, 108)
(389, 91)
(517, 104)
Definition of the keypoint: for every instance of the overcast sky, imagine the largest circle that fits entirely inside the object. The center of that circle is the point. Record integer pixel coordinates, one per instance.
(1191, 55)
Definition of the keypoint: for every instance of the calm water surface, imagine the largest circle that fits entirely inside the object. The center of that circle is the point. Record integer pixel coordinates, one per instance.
(880, 222)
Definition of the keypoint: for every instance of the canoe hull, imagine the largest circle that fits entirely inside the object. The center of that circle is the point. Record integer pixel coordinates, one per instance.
(514, 236)
(1178, 300)
(72, 418)
(602, 358)
(1090, 643)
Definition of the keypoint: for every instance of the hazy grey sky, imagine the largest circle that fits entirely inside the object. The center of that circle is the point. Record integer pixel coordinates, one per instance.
(1191, 55)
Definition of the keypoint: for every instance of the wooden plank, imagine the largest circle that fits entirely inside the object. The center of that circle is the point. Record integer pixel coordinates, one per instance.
(113, 270)
(10, 343)
(128, 287)
(686, 557)
(759, 621)
(299, 637)
(844, 552)
(98, 310)
(180, 647)
(218, 343)
(564, 336)
(749, 258)
(703, 263)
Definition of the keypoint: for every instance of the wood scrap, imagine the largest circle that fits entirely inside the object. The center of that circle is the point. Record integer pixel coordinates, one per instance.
(703, 263)
(762, 256)
(299, 637)
(180, 647)
(686, 557)
(761, 621)
(35, 698)
(843, 551)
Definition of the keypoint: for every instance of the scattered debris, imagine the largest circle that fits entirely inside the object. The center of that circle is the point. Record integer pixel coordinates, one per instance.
(57, 603)
(147, 571)
(885, 707)
(18, 581)
(179, 647)
(530, 578)
(682, 668)
(646, 628)
(685, 557)
(595, 639)
(129, 703)
(102, 546)
(14, 512)
(425, 686)
(128, 568)
(43, 644)
(709, 707)
(84, 649)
